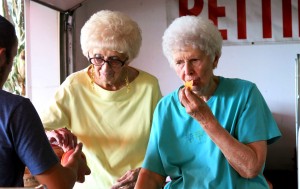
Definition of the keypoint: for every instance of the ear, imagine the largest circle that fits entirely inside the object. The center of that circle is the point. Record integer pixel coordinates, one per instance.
(2, 51)
(216, 61)
(2, 56)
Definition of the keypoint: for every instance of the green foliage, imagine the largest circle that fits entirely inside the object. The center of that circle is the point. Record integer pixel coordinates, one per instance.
(13, 10)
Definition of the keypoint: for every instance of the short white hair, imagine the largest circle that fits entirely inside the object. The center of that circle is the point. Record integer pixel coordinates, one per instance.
(111, 30)
(192, 31)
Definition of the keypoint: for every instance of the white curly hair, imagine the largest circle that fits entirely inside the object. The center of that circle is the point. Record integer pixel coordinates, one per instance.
(111, 30)
(194, 31)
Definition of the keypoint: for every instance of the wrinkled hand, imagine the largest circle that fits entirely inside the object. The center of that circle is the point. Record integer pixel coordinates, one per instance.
(78, 157)
(196, 107)
(63, 137)
(128, 180)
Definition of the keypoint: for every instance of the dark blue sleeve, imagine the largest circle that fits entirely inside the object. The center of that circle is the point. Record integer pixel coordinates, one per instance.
(30, 140)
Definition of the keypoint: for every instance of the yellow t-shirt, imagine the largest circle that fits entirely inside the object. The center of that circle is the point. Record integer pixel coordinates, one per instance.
(114, 126)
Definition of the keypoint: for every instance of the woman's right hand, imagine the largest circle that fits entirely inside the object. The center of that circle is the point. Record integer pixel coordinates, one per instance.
(62, 137)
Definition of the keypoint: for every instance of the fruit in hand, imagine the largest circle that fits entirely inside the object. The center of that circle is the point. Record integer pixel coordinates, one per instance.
(65, 157)
(189, 84)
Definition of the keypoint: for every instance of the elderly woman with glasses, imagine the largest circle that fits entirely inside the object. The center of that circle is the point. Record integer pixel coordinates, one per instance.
(213, 134)
(107, 106)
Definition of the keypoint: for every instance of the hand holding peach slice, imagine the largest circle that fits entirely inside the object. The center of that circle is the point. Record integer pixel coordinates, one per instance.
(188, 84)
(66, 155)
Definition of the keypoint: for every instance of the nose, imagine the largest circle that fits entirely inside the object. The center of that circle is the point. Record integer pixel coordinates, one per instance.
(188, 68)
(105, 65)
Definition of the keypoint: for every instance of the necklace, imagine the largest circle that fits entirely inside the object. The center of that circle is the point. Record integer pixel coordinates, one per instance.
(127, 82)
(92, 77)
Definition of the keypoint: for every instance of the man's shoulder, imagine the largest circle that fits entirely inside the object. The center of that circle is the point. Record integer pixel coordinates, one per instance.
(7, 97)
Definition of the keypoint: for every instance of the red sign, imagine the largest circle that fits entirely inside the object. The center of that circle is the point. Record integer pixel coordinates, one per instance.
(245, 21)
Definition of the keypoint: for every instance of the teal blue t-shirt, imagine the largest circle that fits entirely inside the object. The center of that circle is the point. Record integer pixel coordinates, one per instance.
(180, 148)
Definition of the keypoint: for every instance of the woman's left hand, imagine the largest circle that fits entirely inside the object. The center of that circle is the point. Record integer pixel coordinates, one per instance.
(128, 180)
(62, 137)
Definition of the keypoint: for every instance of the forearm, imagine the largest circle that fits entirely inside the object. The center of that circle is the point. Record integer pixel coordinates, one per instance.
(64, 176)
(247, 160)
(149, 180)
(58, 177)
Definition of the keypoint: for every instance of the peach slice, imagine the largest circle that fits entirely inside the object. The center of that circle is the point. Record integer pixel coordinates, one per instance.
(65, 157)
(188, 84)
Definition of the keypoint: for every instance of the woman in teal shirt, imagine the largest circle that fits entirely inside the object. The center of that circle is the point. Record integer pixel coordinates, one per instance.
(213, 134)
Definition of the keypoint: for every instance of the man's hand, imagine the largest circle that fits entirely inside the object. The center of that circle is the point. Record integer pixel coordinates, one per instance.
(77, 157)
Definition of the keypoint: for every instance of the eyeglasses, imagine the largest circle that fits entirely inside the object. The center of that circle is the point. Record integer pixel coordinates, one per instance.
(113, 61)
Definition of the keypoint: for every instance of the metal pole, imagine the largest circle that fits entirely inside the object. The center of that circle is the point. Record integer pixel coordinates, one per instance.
(296, 100)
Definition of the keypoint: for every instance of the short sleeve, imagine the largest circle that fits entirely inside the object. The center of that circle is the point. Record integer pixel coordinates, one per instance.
(257, 122)
(30, 140)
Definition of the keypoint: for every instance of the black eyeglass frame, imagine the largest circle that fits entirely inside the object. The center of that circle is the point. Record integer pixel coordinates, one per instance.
(122, 63)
